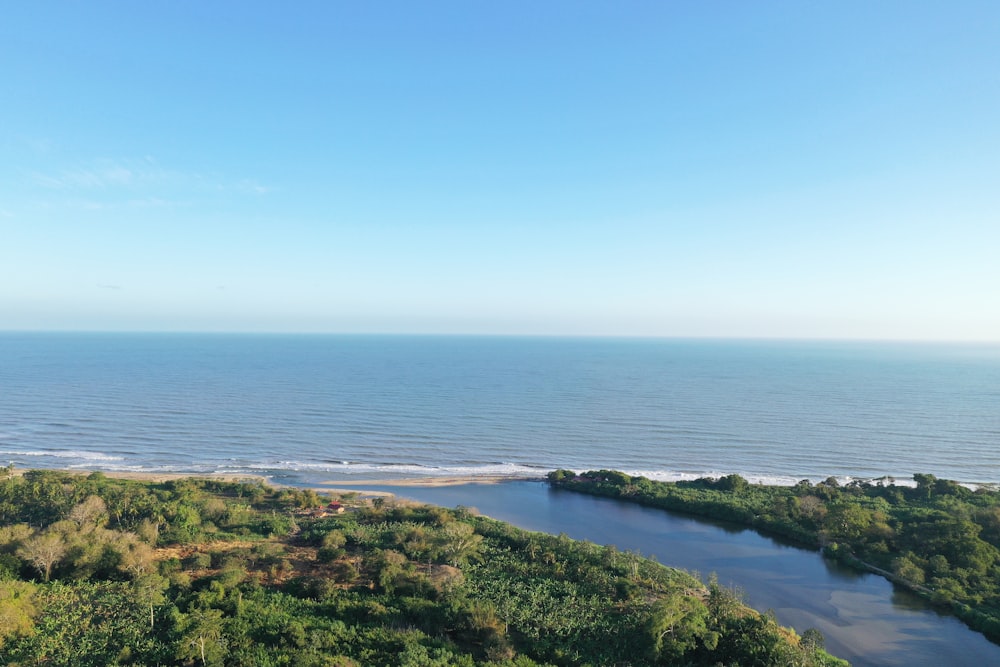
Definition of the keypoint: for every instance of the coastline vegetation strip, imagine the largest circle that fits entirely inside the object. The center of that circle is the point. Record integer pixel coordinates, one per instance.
(100, 571)
(939, 539)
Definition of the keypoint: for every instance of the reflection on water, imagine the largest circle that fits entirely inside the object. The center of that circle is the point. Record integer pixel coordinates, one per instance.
(904, 599)
(841, 571)
(861, 615)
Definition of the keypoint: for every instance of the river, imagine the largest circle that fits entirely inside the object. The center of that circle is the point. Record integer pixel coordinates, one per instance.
(864, 618)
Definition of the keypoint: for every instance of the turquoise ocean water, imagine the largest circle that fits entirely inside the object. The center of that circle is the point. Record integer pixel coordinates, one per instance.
(306, 409)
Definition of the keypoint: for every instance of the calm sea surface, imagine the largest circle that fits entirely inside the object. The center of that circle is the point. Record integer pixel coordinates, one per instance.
(316, 409)
(313, 408)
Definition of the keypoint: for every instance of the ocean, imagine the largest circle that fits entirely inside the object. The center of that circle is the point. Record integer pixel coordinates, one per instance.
(306, 409)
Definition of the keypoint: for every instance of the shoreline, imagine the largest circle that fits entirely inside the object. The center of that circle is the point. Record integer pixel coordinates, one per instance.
(450, 480)
(306, 478)
(433, 481)
(331, 486)
(156, 477)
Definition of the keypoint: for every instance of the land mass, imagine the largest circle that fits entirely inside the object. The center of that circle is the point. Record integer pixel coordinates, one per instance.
(102, 571)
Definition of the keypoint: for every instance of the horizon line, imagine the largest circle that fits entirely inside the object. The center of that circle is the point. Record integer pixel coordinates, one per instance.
(461, 334)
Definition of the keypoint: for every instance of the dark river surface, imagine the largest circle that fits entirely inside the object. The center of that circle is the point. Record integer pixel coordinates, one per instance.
(864, 618)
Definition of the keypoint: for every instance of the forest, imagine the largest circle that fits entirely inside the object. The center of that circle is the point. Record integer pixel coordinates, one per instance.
(102, 571)
(935, 537)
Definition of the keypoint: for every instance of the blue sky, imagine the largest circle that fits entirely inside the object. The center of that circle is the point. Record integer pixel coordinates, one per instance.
(778, 169)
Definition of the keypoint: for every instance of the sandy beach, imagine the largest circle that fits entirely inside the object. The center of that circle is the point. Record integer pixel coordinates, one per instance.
(454, 480)
(339, 486)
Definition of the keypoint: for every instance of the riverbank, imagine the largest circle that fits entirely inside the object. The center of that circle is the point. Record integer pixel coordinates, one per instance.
(864, 618)
(937, 538)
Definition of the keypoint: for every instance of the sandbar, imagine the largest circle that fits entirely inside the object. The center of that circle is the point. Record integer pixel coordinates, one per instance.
(454, 480)
(338, 486)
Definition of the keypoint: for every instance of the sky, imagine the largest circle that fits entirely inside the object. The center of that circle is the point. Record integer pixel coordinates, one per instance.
(679, 169)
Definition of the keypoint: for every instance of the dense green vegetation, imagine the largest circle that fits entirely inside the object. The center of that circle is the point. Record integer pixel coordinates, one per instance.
(938, 538)
(98, 571)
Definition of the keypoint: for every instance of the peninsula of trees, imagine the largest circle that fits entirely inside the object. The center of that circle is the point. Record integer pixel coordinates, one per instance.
(937, 538)
(99, 571)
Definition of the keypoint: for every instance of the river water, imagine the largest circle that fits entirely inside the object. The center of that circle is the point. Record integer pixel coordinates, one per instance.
(864, 618)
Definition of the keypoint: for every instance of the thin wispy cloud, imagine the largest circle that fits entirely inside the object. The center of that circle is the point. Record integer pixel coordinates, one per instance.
(253, 187)
(96, 205)
(142, 175)
(39, 145)
(107, 174)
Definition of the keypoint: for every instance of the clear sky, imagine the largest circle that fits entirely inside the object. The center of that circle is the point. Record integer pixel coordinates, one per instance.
(739, 169)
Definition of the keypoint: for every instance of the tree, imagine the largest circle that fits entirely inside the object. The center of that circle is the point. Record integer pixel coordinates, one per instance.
(17, 608)
(925, 484)
(614, 477)
(388, 565)
(91, 513)
(723, 603)
(137, 558)
(458, 543)
(43, 551)
(675, 625)
(812, 640)
(561, 475)
(149, 588)
(7, 473)
(811, 509)
(201, 636)
(848, 521)
(13, 536)
(734, 483)
(908, 571)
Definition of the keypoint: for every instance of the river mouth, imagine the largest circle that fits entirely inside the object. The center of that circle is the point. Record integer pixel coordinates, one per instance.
(864, 618)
